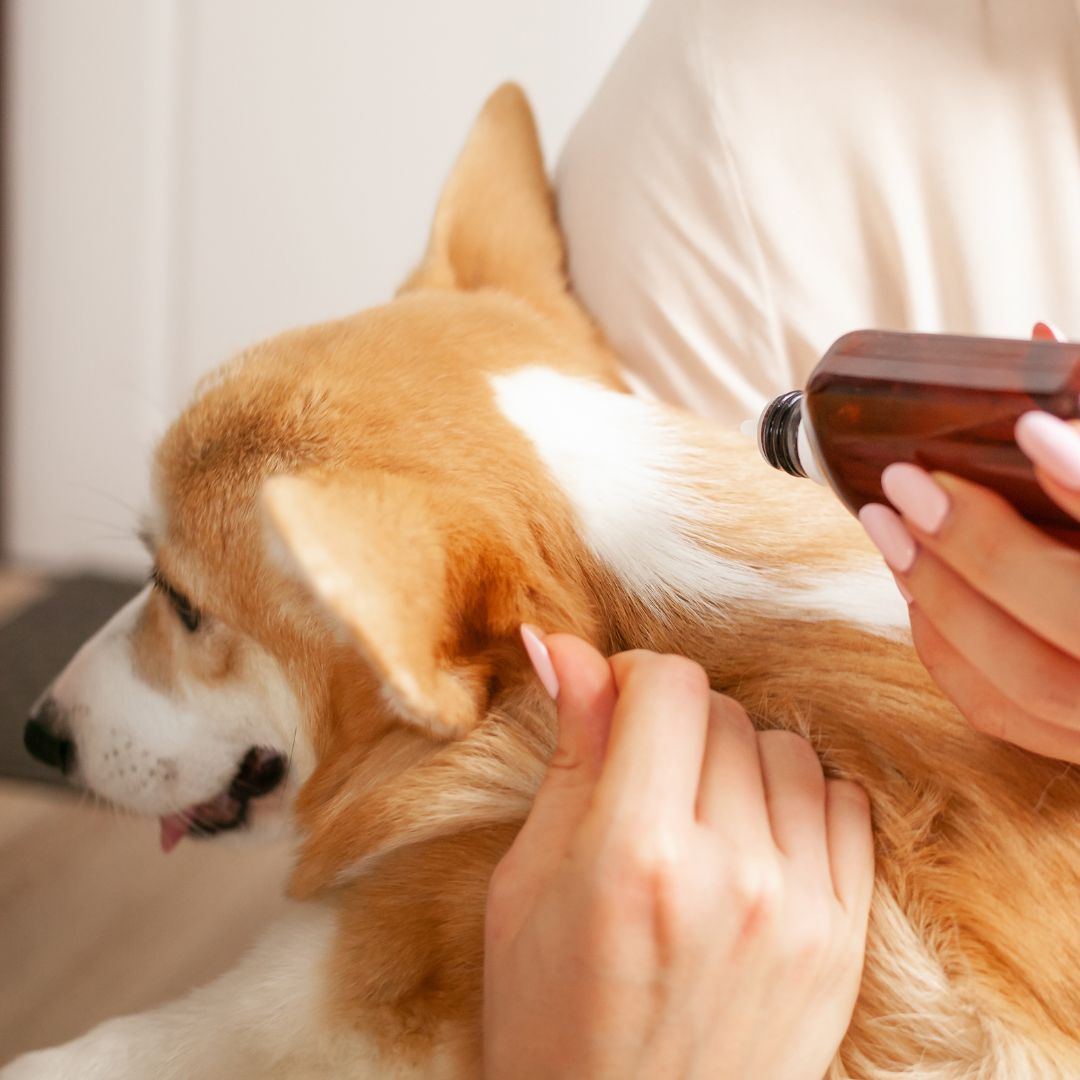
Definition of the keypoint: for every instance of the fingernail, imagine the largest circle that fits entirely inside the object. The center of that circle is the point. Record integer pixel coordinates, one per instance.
(1045, 331)
(916, 496)
(533, 640)
(885, 528)
(1053, 445)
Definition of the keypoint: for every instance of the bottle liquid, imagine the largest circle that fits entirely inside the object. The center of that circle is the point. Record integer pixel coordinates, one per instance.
(941, 402)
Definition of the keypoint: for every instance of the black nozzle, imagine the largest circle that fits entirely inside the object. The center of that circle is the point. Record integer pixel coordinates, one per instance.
(778, 433)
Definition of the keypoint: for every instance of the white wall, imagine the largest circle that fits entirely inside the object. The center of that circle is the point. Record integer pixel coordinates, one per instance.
(187, 176)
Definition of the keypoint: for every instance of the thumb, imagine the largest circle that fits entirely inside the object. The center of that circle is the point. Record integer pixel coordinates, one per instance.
(582, 683)
(585, 700)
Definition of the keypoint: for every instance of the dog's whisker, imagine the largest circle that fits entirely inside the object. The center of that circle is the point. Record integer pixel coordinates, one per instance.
(108, 496)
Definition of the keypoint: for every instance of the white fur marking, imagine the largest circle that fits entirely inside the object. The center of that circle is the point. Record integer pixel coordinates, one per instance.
(156, 753)
(267, 1017)
(628, 475)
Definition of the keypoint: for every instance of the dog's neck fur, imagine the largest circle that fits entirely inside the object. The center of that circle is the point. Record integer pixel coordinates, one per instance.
(645, 490)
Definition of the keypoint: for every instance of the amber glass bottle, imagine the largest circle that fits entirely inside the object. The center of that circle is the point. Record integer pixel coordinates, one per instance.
(943, 402)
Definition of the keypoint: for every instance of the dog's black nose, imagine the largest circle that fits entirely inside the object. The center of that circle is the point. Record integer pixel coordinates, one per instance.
(42, 741)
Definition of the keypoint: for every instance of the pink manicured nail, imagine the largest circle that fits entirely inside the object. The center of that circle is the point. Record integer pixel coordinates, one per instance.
(1044, 331)
(540, 659)
(885, 528)
(1053, 445)
(916, 496)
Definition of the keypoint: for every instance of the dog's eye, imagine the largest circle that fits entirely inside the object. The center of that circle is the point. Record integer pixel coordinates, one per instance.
(189, 615)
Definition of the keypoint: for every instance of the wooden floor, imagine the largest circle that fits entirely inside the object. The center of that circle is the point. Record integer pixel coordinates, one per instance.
(17, 589)
(95, 921)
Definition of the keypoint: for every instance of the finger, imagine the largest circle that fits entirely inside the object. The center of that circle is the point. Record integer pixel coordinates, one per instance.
(795, 797)
(1068, 500)
(587, 698)
(999, 554)
(1038, 678)
(657, 738)
(982, 704)
(851, 846)
(586, 702)
(1054, 447)
(731, 794)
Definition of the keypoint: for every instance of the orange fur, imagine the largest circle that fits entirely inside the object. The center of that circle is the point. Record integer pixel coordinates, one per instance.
(419, 530)
(165, 656)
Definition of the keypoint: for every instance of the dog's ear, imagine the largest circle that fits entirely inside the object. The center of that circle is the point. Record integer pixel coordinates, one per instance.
(372, 552)
(495, 224)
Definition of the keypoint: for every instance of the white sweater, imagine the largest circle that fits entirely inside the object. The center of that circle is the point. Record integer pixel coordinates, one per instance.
(754, 179)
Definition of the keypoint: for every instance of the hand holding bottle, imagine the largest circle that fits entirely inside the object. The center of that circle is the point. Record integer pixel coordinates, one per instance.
(995, 602)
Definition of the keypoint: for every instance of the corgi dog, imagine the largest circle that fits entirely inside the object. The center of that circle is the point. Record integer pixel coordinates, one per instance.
(350, 523)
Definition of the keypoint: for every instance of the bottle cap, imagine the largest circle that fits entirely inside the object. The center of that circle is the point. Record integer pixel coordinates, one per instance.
(778, 433)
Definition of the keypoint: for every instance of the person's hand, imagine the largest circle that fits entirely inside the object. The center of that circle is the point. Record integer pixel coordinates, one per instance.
(995, 602)
(688, 897)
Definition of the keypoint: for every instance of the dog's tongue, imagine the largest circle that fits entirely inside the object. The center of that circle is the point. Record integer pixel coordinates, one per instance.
(260, 772)
(223, 811)
(174, 828)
